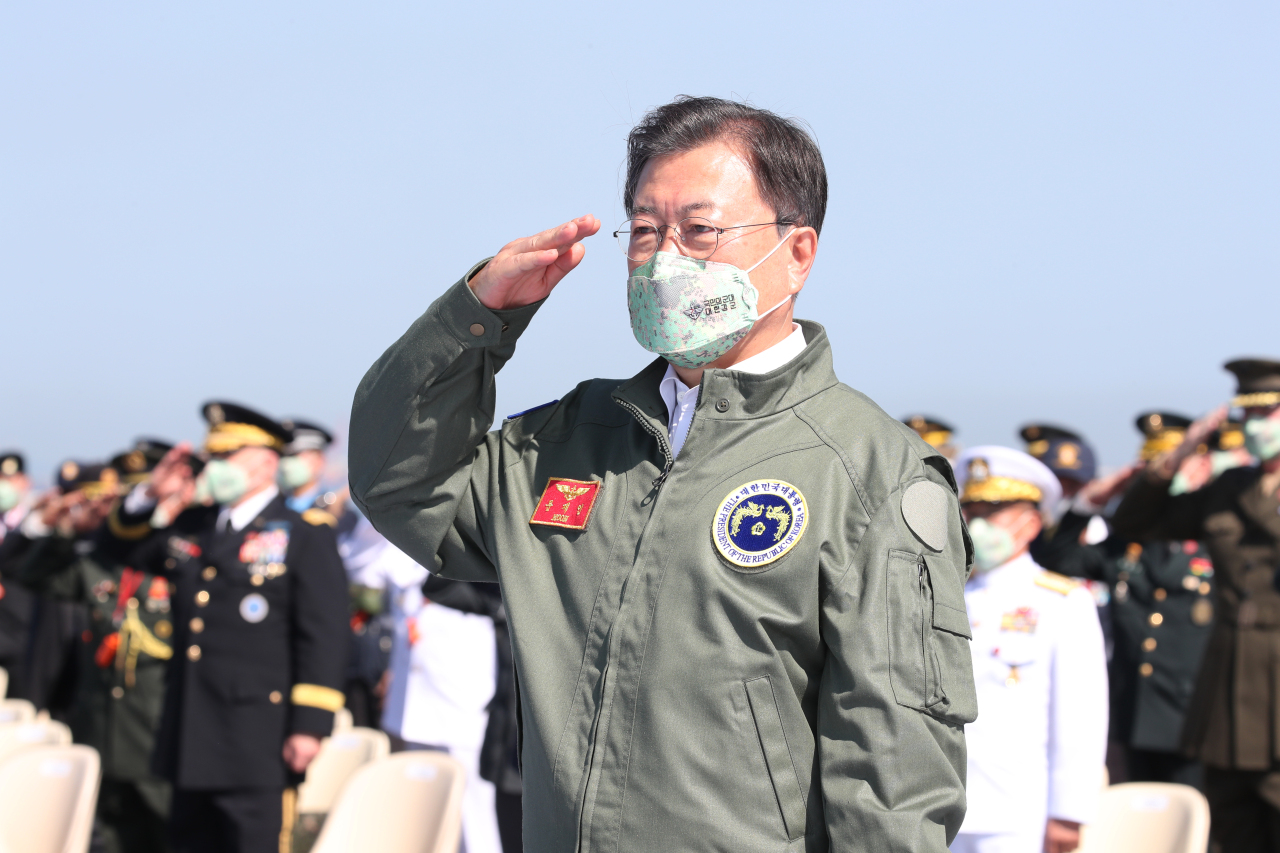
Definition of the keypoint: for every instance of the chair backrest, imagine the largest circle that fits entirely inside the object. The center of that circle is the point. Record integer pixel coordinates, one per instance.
(410, 802)
(16, 711)
(1154, 817)
(47, 799)
(339, 758)
(4, 682)
(35, 733)
(342, 721)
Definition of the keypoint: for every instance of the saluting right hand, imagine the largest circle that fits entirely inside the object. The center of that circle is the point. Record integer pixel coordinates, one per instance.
(527, 270)
(1167, 464)
(172, 475)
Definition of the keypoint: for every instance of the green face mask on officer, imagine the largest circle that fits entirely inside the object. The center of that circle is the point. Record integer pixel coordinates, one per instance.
(227, 481)
(294, 473)
(1262, 435)
(10, 495)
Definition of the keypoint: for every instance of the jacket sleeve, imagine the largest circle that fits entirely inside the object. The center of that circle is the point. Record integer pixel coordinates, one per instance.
(1148, 511)
(49, 567)
(1077, 712)
(897, 688)
(321, 636)
(422, 467)
(1065, 554)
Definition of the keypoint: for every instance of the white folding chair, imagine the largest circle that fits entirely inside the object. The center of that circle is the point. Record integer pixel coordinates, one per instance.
(47, 799)
(35, 733)
(1150, 817)
(339, 758)
(410, 802)
(16, 711)
(342, 721)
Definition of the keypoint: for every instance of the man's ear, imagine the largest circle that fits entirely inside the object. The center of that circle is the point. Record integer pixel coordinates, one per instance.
(803, 249)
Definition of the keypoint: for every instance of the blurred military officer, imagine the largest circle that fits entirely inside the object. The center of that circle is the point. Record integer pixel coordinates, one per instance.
(120, 684)
(1161, 610)
(936, 433)
(1234, 716)
(1037, 748)
(15, 602)
(301, 470)
(260, 617)
(372, 626)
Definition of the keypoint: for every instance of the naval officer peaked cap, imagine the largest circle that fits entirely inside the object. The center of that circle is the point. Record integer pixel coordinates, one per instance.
(993, 474)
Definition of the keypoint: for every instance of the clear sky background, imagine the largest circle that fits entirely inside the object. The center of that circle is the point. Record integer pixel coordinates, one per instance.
(1038, 211)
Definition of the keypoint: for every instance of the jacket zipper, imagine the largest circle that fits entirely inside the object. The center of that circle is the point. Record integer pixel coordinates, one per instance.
(663, 442)
(670, 460)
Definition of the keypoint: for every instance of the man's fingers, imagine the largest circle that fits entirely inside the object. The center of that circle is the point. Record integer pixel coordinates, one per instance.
(562, 235)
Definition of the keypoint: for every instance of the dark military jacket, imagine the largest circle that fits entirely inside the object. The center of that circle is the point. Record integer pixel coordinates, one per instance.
(260, 644)
(1234, 713)
(123, 650)
(1161, 612)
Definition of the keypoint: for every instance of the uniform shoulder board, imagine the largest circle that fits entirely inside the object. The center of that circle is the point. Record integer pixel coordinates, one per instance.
(1060, 584)
(316, 517)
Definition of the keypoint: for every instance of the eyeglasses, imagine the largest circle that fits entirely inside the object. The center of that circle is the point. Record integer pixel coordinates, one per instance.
(640, 239)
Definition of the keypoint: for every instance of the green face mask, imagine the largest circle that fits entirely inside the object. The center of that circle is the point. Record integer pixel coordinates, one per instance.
(992, 546)
(227, 482)
(294, 473)
(9, 495)
(1262, 437)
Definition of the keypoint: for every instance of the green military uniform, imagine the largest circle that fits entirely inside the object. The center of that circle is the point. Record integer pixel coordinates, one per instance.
(121, 677)
(1234, 717)
(759, 644)
(1161, 616)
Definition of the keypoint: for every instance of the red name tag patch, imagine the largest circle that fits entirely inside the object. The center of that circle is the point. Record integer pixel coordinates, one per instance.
(566, 503)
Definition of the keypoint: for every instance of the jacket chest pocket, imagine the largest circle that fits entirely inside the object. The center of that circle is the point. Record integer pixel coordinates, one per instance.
(930, 665)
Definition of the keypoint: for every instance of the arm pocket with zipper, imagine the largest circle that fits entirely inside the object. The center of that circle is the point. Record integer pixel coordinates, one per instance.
(930, 667)
(777, 756)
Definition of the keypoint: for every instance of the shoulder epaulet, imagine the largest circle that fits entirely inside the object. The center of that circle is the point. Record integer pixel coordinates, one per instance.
(316, 517)
(1060, 584)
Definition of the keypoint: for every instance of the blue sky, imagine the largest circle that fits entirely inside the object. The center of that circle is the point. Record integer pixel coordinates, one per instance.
(1055, 211)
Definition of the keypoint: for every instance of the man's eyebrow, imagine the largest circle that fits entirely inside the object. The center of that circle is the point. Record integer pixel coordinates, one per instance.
(683, 211)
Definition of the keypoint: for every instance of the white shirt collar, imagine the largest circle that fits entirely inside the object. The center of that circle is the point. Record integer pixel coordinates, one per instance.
(241, 514)
(673, 390)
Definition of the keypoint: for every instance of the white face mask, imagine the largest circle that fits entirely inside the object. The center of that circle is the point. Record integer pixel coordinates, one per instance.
(691, 312)
(227, 481)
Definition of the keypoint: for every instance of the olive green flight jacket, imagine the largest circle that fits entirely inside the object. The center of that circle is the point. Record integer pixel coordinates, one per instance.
(672, 700)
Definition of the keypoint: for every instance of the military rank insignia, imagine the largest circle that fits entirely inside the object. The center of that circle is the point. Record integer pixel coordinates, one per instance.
(758, 522)
(566, 503)
(1023, 620)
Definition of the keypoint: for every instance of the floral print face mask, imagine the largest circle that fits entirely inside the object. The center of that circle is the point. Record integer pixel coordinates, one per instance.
(691, 312)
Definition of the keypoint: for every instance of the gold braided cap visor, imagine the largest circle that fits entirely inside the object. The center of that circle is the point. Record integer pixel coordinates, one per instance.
(1000, 490)
(1257, 398)
(226, 437)
(1161, 442)
(937, 437)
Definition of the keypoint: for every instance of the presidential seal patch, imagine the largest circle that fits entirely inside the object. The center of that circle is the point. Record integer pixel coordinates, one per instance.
(758, 522)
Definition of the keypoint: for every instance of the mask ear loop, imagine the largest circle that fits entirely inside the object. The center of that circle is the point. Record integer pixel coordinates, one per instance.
(789, 297)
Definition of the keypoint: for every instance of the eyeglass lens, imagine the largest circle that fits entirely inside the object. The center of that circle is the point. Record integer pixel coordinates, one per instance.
(640, 239)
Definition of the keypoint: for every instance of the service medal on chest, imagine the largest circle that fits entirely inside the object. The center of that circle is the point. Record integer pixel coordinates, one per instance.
(254, 608)
(758, 522)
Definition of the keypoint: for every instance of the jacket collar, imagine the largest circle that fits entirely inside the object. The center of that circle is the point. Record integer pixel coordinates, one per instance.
(748, 395)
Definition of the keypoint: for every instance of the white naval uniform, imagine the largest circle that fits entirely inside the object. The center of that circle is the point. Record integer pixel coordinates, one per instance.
(1038, 746)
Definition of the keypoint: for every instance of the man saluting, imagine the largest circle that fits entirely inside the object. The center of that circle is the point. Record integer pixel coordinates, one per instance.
(260, 635)
(734, 586)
